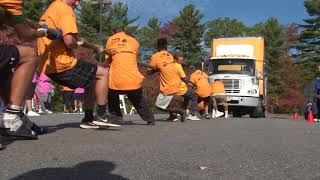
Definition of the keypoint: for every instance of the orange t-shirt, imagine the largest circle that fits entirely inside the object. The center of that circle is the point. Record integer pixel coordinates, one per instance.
(201, 81)
(61, 58)
(13, 7)
(218, 88)
(124, 73)
(168, 72)
(65, 88)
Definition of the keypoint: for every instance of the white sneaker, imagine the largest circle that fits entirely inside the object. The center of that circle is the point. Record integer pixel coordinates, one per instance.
(193, 118)
(219, 114)
(40, 111)
(32, 114)
(49, 112)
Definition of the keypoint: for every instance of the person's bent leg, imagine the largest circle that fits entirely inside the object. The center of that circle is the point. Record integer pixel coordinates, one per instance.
(114, 103)
(191, 95)
(101, 92)
(101, 86)
(22, 75)
(14, 118)
(139, 103)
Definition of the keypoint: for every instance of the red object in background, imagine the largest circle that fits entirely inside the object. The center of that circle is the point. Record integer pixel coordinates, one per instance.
(310, 117)
(295, 116)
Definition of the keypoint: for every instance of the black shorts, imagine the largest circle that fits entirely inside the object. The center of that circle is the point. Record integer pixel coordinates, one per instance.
(81, 75)
(9, 59)
(78, 96)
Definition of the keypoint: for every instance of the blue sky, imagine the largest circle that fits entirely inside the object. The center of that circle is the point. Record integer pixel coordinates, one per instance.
(247, 11)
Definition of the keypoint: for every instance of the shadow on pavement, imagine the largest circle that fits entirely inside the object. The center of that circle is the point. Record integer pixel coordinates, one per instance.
(83, 171)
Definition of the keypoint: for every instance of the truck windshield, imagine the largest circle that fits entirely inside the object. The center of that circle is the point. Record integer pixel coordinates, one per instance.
(232, 66)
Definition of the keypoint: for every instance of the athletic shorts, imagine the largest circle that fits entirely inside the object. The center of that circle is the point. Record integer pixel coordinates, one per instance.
(81, 75)
(221, 99)
(9, 59)
(78, 96)
(163, 101)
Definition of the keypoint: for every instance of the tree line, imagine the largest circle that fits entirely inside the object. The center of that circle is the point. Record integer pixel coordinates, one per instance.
(292, 50)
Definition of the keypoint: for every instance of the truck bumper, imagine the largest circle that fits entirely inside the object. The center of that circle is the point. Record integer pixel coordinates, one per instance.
(243, 101)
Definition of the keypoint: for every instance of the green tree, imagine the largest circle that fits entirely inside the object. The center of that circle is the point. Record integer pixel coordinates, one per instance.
(147, 37)
(189, 33)
(89, 19)
(33, 9)
(223, 28)
(274, 42)
(309, 44)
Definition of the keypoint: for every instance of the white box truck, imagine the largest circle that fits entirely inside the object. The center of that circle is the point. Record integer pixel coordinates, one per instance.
(240, 64)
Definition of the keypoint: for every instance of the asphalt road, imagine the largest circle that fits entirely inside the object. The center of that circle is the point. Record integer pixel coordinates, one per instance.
(235, 148)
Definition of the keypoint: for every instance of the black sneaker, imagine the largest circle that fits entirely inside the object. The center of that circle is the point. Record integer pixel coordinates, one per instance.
(18, 127)
(33, 126)
(106, 120)
(207, 116)
(151, 123)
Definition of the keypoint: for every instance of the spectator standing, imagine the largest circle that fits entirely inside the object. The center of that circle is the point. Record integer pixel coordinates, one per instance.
(29, 96)
(67, 96)
(78, 98)
(44, 89)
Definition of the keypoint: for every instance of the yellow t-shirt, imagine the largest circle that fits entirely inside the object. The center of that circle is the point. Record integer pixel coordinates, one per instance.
(168, 72)
(218, 88)
(61, 58)
(183, 87)
(201, 81)
(13, 7)
(124, 73)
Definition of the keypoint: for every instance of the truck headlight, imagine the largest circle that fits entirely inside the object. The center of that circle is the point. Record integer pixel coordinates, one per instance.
(252, 91)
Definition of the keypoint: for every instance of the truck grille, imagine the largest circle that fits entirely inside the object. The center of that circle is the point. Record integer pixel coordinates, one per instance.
(232, 91)
(231, 85)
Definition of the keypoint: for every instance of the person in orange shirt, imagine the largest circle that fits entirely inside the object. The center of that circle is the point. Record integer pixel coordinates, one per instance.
(64, 68)
(200, 82)
(220, 96)
(14, 84)
(163, 62)
(124, 76)
(187, 93)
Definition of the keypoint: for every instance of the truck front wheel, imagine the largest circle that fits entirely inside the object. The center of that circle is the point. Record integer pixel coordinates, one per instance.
(257, 111)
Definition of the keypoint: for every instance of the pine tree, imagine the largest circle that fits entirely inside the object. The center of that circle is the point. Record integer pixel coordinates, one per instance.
(89, 20)
(189, 33)
(223, 28)
(309, 44)
(147, 37)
